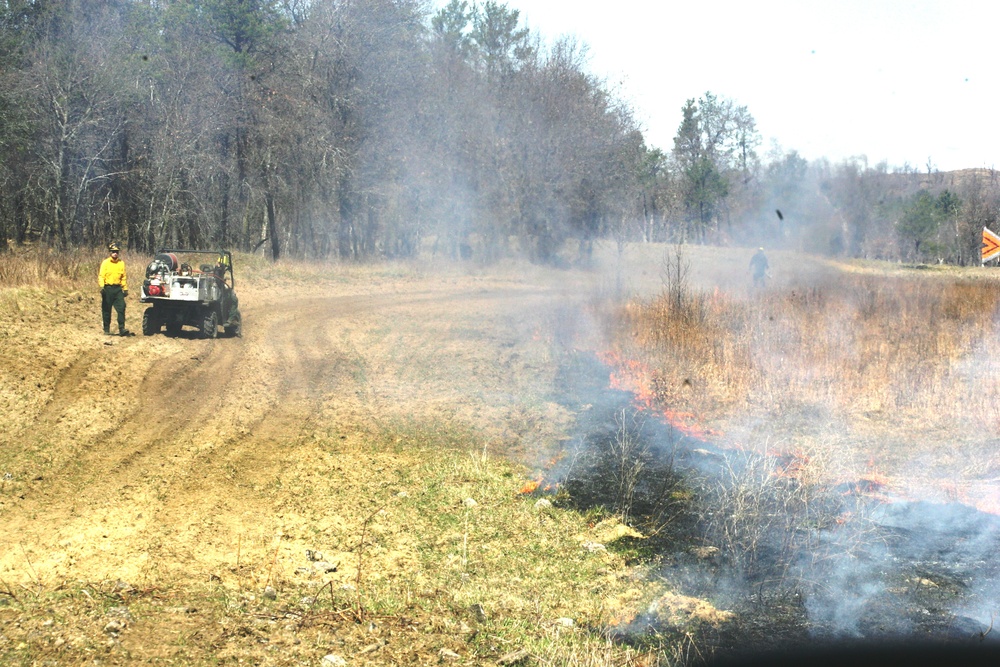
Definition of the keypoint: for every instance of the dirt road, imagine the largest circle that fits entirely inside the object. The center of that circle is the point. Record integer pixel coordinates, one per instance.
(147, 458)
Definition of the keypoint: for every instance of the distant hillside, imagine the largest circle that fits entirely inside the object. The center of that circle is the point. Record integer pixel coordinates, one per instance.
(958, 181)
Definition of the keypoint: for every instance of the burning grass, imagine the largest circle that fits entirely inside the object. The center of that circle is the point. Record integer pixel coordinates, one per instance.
(826, 408)
(905, 357)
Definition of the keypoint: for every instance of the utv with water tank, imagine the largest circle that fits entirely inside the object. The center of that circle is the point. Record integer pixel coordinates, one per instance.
(192, 288)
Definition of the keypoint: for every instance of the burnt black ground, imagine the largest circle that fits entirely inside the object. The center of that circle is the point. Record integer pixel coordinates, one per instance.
(854, 567)
(871, 654)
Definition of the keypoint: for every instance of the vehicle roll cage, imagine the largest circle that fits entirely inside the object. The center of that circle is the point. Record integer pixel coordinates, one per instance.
(225, 254)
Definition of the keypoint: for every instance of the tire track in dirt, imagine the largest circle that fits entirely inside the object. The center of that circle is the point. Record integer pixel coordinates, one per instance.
(71, 515)
(65, 394)
(227, 493)
(229, 501)
(143, 426)
(136, 484)
(216, 424)
(66, 390)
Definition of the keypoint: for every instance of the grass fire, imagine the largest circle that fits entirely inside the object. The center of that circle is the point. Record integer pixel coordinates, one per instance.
(511, 464)
(832, 408)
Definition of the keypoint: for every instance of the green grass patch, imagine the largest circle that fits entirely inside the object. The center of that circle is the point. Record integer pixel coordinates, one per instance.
(442, 552)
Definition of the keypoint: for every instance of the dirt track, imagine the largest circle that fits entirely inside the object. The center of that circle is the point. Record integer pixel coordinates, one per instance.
(152, 458)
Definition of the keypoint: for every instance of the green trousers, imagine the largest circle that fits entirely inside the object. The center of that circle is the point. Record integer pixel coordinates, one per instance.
(112, 296)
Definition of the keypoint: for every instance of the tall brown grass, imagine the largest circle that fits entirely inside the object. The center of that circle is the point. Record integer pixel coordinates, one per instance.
(877, 385)
(911, 354)
(49, 268)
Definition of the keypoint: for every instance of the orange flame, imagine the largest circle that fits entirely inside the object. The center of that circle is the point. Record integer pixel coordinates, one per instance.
(635, 377)
(530, 486)
(533, 485)
(792, 464)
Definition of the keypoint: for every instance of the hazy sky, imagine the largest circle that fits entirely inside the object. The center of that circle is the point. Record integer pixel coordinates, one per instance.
(903, 82)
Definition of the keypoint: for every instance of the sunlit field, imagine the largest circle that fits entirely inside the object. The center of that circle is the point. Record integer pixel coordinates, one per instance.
(399, 420)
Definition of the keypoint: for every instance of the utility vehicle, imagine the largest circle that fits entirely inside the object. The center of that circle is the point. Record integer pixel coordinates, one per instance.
(191, 288)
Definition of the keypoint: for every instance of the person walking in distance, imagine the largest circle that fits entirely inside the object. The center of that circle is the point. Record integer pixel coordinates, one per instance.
(114, 289)
(759, 267)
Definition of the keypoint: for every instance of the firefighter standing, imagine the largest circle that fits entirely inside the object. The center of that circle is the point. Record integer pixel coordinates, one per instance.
(759, 267)
(229, 303)
(114, 289)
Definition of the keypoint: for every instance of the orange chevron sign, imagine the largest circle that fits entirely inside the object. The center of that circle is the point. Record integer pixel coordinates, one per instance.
(991, 245)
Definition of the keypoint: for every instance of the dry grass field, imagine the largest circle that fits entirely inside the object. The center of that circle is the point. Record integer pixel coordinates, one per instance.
(842, 442)
(864, 371)
(348, 478)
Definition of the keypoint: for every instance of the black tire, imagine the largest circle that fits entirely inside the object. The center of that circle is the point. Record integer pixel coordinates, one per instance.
(150, 322)
(210, 325)
(235, 329)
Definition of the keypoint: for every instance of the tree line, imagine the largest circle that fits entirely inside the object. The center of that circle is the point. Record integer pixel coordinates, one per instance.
(365, 129)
